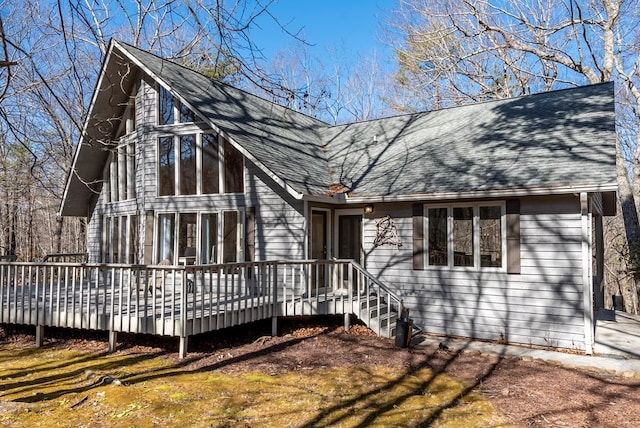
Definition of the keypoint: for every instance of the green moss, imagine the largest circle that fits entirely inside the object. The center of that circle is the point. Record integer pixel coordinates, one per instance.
(45, 388)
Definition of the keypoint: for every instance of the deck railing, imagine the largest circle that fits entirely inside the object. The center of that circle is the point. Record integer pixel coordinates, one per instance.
(186, 300)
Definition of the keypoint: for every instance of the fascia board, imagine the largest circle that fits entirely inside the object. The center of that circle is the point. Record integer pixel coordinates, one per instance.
(85, 124)
(508, 193)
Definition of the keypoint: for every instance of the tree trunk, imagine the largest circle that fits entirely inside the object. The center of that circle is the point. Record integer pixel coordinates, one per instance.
(632, 231)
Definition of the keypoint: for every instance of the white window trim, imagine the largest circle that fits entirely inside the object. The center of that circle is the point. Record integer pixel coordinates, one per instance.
(177, 103)
(240, 246)
(116, 225)
(199, 159)
(115, 189)
(476, 236)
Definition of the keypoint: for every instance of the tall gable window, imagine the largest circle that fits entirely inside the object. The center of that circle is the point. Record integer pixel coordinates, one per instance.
(120, 173)
(166, 107)
(166, 166)
(207, 164)
(171, 111)
(465, 236)
(187, 165)
(233, 169)
(211, 164)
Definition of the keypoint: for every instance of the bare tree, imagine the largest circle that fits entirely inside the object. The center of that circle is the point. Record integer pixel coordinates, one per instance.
(464, 50)
(59, 47)
(337, 87)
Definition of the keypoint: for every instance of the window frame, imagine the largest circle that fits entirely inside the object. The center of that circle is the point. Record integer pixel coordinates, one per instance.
(220, 245)
(476, 236)
(222, 173)
(179, 110)
(120, 238)
(120, 172)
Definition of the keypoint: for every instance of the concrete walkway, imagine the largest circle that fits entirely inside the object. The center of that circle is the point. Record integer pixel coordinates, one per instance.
(617, 333)
(617, 349)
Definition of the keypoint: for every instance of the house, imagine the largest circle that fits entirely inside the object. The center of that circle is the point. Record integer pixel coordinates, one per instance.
(485, 218)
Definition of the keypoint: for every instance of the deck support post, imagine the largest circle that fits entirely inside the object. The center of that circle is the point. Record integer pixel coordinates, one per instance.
(183, 346)
(347, 321)
(587, 278)
(113, 339)
(39, 335)
(274, 298)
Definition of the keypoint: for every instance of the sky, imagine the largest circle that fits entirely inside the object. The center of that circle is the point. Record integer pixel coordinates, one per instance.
(350, 24)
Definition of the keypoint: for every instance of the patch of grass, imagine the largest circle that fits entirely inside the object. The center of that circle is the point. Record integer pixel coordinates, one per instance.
(64, 388)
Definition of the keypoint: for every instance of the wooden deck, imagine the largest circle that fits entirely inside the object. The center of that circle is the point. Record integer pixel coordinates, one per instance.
(182, 301)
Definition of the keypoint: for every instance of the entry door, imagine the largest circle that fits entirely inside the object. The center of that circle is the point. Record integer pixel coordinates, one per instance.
(319, 235)
(319, 248)
(350, 237)
(349, 243)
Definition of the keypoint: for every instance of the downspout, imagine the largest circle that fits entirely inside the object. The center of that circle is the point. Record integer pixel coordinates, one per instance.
(587, 274)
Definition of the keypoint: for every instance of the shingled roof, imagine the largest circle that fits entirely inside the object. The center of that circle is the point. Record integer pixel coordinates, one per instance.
(553, 141)
(557, 141)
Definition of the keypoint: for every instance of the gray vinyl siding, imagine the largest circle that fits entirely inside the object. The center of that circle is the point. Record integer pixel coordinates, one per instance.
(280, 223)
(542, 305)
(94, 238)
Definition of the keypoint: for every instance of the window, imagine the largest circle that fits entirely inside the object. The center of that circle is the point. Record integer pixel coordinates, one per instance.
(186, 114)
(171, 111)
(166, 107)
(208, 164)
(166, 166)
(233, 169)
(120, 239)
(490, 236)
(120, 173)
(205, 238)
(437, 233)
(231, 238)
(188, 165)
(187, 239)
(166, 233)
(209, 238)
(465, 235)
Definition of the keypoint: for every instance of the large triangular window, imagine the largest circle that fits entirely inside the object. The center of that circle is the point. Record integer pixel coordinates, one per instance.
(171, 111)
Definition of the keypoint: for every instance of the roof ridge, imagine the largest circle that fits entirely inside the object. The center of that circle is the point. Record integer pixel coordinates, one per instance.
(475, 104)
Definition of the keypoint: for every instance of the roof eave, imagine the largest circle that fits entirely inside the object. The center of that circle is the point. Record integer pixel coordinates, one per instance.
(483, 194)
(83, 133)
(287, 187)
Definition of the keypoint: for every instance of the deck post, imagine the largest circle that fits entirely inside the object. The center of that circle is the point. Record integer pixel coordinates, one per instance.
(183, 346)
(347, 321)
(39, 335)
(113, 339)
(184, 338)
(587, 278)
(274, 316)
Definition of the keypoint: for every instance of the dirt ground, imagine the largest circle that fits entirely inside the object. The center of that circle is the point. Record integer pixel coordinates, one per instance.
(528, 393)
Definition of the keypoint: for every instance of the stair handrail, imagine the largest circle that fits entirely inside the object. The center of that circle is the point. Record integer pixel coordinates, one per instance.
(377, 282)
